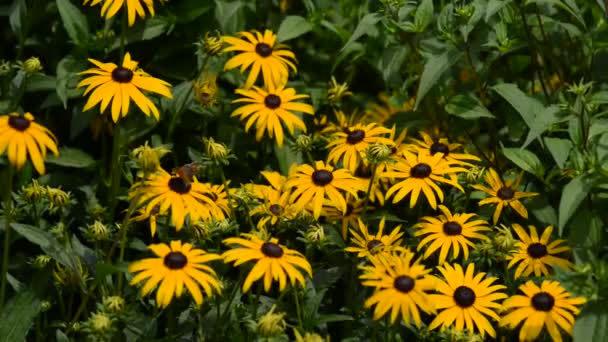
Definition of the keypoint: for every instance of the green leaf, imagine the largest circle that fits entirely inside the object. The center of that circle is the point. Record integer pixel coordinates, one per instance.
(572, 196)
(542, 122)
(182, 97)
(17, 17)
(293, 26)
(493, 7)
(592, 323)
(467, 106)
(601, 97)
(229, 15)
(525, 159)
(567, 5)
(390, 64)
(367, 25)
(71, 157)
(559, 149)
(585, 235)
(424, 15)
(151, 28)
(67, 70)
(333, 318)
(74, 22)
(525, 105)
(18, 315)
(434, 68)
(286, 157)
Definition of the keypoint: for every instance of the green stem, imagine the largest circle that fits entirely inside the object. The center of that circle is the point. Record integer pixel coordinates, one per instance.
(7, 234)
(123, 36)
(115, 171)
(257, 302)
(296, 298)
(386, 329)
(372, 180)
(531, 45)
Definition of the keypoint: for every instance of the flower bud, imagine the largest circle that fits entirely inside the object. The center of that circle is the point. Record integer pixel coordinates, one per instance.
(114, 303)
(212, 44)
(271, 324)
(32, 66)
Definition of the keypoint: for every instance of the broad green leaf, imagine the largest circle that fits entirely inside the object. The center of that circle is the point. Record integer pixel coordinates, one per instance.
(333, 318)
(542, 210)
(493, 7)
(597, 127)
(424, 15)
(189, 10)
(40, 83)
(17, 17)
(182, 97)
(572, 196)
(293, 26)
(229, 16)
(525, 105)
(467, 106)
(18, 315)
(286, 157)
(567, 5)
(67, 70)
(434, 68)
(151, 28)
(367, 25)
(390, 64)
(71, 157)
(74, 22)
(592, 323)
(479, 8)
(525, 159)
(60, 336)
(601, 97)
(585, 234)
(541, 123)
(559, 149)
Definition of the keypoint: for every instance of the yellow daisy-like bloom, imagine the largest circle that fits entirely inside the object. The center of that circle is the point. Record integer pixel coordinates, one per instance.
(218, 195)
(20, 136)
(504, 194)
(274, 262)
(401, 286)
(275, 205)
(367, 245)
(268, 109)
(546, 306)
(387, 109)
(428, 145)
(111, 7)
(120, 85)
(420, 173)
(465, 298)
(314, 185)
(162, 192)
(175, 267)
(350, 218)
(537, 255)
(349, 145)
(447, 230)
(262, 53)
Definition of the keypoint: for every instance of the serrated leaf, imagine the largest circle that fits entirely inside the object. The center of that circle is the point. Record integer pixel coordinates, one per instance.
(74, 22)
(525, 105)
(365, 26)
(18, 315)
(525, 159)
(71, 157)
(293, 26)
(559, 149)
(572, 196)
(434, 68)
(467, 106)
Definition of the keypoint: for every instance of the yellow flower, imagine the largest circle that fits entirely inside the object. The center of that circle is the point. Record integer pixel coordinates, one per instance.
(465, 300)
(148, 158)
(313, 185)
(111, 7)
(350, 218)
(420, 174)
(367, 245)
(548, 305)
(268, 110)
(219, 196)
(175, 267)
(120, 85)
(401, 286)
(262, 53)
(20, 136)
(427, 145)
(449, 230)
(349, 144)
(537, 255)
(504, 194)
(205, 90)
(275, 205)
(387, 109)
(274, 262)
(271, 324)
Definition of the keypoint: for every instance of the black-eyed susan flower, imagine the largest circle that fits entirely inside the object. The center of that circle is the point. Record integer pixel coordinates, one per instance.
(367, 245)
(274, 262)
(275, 206)
(176, 266)
(350, 218)
(348, 145)
(262, 53)
(270, 109)
(315, 184)
(465, 299)
(504, 194)
(219, 196)
(536, 254)
(162, 192)
(401, 286)
(387, 109)
(134, 7)
(549, 305)
(20, 136)
(419, 174)
(119, 85)
(449, 231)
(442, 145)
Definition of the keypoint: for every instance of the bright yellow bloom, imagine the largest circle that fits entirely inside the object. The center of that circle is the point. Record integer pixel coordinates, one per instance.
(387, 109)
(275, 205)
(120, 85)
(20, 136)
(274, 262)
(350, 218)
(548, 305)
(175, 267)
(268, 110)
(537, 255)
(111, 7)
(349, 144)
(367, 245)
(504, 194)
(427, 145)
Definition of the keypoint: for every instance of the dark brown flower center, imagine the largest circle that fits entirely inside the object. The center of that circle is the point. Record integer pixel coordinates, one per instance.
(452, 228)
(440, 148)
(179, 185)
(537, 250)
(19, 123)
(464, 296)
(404, 284)
(275, 209)
(272, 101)
(175, 260)
(393, 150)
(543, 301)
(272, 250)
(421, 170)
(263, 49)
(505, 193)
(322, 177)
(355, 136)
(122, 75)
(373, 244)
